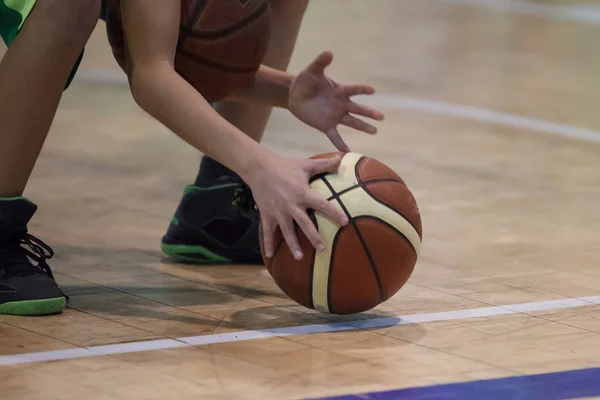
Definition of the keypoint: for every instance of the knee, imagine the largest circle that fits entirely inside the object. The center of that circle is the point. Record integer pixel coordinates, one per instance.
(74, 18)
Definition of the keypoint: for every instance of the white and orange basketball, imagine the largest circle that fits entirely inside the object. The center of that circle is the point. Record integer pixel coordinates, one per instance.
(365, 262)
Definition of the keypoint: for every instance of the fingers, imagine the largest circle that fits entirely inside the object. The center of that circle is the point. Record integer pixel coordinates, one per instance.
(355, 90)
(317, 67)
(327, 208)
(365, 111)
(322, 166)
(291, 211)
(336, 139)
(268, 227)
(309, 229)
(358, 124)
(300, 216)
(318, 202)
(286, 224)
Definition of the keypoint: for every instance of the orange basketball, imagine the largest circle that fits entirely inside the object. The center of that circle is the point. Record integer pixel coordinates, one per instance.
(221, 42)
(366, 262)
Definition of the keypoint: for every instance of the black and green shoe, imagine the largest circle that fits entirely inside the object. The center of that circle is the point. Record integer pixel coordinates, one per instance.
(27, 286)
(216, 224)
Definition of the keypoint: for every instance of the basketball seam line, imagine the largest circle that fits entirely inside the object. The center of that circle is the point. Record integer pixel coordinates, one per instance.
(330, 275)
(360, 237)
(364, 187)
(333, 243)
(313, 253)
(404, 237)
(377, 180)
(229, 30)
(382, 293)
(195, 14)
(387, 205)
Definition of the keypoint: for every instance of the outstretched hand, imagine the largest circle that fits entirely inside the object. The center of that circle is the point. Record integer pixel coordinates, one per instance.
(324, 104)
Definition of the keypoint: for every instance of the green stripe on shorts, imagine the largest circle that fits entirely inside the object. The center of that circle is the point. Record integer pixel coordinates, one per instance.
(13, 14)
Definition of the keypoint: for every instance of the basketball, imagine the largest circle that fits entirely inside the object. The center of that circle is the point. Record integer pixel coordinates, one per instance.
(367, 261)
(221, 42)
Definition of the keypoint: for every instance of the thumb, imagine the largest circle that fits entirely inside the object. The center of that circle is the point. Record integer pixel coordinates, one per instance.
(323, 165)
(323, 60)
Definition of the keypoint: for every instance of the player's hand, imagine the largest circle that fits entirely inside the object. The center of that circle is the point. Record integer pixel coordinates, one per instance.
(282, 194)
(324, 104)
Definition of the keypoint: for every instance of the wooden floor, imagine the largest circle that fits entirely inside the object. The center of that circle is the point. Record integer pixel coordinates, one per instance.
(492, 119)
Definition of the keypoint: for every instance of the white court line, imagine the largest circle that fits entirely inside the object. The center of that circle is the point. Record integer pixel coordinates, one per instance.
(153, 345)
(416, 104)
(482, 115)
(583, 14)
(101, 76)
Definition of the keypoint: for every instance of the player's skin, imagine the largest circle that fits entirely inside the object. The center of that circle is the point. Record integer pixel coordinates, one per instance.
(33, 74)
(287, 17)
(45, 51)
(279, 185)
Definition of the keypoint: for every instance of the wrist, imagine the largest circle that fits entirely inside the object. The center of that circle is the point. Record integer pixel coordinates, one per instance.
(280, 89)
(289, 83)
(253, 162)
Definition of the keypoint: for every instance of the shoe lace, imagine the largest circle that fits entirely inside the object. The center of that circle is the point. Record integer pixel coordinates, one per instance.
(242, 198)
(28, 257)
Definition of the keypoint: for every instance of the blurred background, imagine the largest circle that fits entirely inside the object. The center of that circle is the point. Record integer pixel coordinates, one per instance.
(481, 97)
(492, 119)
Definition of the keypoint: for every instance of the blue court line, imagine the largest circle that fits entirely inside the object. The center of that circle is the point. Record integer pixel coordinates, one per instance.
(573, 384)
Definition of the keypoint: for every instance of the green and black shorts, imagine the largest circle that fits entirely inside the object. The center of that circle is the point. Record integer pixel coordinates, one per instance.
(14, 13)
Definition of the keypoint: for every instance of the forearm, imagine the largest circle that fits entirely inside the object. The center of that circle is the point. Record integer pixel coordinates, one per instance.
(268, 87)
(162, 93)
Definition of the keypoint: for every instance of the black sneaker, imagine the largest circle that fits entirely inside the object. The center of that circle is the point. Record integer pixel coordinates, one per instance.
(27, 286)
(217, 224)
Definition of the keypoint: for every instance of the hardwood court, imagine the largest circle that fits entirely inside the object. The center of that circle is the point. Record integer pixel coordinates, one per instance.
(492, 119)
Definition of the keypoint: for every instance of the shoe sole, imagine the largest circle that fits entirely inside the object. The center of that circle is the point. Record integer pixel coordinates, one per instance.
(34, 307)
(195, 254)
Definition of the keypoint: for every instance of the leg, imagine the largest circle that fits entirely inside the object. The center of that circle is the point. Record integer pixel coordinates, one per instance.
(287, 18)
(249, 118)
(215, 221)
(33, 74)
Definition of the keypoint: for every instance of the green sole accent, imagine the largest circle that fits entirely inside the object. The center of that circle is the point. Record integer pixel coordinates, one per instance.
(34, 307)
(193, 254)
(191, 188)
(15, 198)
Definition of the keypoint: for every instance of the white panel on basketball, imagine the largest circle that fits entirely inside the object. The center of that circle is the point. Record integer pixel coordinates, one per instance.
(321, 188)
(322, 263)
(344, 179)
(359, 203)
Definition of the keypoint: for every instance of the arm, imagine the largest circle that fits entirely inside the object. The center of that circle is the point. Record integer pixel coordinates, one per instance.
(279, 185)
(269, 87)
(313, 98)
(151, 32)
